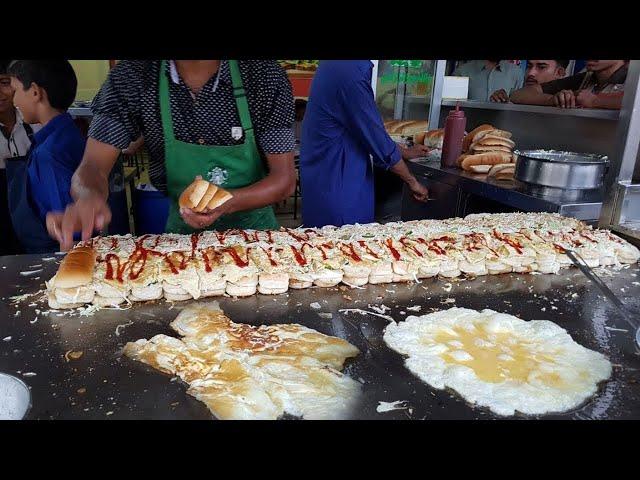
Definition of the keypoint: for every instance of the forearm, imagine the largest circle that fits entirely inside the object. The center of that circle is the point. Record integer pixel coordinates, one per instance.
(92, 176)
(275, 187)
(612, 101)
(531, 96)
(402, 171)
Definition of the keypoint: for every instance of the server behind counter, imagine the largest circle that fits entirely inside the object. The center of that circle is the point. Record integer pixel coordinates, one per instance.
(40, 182)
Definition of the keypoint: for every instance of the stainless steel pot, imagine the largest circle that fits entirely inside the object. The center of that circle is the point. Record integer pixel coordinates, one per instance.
(552, 168)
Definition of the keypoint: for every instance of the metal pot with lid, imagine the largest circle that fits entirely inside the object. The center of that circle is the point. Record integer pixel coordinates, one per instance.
(558, 169)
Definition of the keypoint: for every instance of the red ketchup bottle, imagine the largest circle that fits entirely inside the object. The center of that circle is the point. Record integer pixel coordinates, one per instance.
(454, 128)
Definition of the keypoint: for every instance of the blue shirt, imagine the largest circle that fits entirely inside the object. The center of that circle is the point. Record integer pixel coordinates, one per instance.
(55, 154)
(341, 131)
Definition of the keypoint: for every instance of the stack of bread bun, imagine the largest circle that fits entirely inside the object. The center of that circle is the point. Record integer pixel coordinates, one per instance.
(401, 130)
(202, 195)
(485, 147)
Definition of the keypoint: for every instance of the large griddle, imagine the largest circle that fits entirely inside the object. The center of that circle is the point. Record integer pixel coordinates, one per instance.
(116, 387)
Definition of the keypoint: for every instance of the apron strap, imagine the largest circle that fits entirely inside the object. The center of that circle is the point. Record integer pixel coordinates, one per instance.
(241, 99)
(165, 105)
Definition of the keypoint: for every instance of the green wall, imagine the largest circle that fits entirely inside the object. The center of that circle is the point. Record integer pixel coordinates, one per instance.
(91, 74)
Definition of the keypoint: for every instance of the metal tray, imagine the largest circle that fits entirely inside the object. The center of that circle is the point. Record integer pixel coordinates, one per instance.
(558, 169)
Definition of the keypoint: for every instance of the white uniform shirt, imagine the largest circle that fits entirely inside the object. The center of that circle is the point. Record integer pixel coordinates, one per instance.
(18, 142)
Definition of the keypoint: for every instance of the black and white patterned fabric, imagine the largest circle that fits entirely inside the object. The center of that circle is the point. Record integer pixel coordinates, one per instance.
(127, 106)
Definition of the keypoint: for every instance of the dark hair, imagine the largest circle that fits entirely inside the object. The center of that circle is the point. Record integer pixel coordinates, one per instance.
(56, 77)
(4, 66)
(563, 63)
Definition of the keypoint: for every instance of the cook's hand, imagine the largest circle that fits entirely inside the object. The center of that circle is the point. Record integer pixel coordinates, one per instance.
(207, 217)
(565, 99)
(586, 98)
(499, 96)
(419, 191)
(85, 215)
(414, 151)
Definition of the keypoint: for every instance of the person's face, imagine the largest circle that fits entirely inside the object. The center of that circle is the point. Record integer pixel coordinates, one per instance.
(26, 100)
(599, 65)
(542, 71)
(6, 94)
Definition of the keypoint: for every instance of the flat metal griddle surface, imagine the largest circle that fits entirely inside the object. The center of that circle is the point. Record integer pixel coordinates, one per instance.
(102, 384)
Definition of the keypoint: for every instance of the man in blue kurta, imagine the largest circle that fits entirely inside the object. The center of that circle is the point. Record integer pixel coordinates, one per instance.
(343, 135)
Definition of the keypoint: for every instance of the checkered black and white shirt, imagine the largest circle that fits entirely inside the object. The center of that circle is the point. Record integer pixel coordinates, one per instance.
(127, 106)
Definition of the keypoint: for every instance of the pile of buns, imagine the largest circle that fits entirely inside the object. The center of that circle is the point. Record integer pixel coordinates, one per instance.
(487, 147)
(202, 195)
(400, 130)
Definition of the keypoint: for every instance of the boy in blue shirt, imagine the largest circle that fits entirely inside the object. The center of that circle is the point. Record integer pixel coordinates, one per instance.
(41, 182)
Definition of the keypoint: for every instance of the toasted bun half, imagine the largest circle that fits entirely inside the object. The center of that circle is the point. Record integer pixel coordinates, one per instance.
(220, 197)
(398, 128)
(490, 158)
(76, 268)
(201, 195)
(470, 137)
(495, 140)
(477, 148)
(418, 138)
(502, 171)
(499, 133)
(415, 127)
(434, 138)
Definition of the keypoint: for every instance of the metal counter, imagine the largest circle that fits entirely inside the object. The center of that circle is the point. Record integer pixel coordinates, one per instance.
(453, 186)
(102, 384)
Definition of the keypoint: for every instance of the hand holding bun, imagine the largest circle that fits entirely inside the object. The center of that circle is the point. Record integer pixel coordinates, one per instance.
(202, 195)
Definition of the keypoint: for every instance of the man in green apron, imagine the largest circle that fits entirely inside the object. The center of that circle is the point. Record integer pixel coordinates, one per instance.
(229, 122)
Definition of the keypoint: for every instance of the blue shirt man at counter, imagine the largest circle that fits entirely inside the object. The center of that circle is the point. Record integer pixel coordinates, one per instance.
(342, 133)
(41, 182)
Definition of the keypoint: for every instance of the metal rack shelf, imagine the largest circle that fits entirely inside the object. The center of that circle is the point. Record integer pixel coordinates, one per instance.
(515, 107)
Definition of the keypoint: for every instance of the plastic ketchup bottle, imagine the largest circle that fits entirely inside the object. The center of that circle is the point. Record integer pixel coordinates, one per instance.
(454, 128)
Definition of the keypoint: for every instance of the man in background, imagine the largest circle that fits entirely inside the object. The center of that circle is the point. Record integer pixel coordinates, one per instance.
(600, 86)
(341, 133)
(536, 73)
(489, 76)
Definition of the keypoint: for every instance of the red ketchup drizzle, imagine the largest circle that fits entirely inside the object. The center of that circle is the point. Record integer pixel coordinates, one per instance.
(207, 265)
(114, 243)
(194, 243)
(404, 243)
(588, 238)
(271, 260)
(119, 269)
(516, 246)
(394, 252)
(245, 235)
(351, 252)
(558, 248)
(299, 255)
(364, 245)
(221, 236)
(297, 237)
(324, 254)
(181, 266)
(269, 237)
(444, 239)
(236, 258)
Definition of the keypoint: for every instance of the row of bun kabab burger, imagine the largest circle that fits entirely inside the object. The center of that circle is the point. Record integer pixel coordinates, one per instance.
(485, 150)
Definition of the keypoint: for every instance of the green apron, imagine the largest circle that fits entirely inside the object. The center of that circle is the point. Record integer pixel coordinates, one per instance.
(235, 166)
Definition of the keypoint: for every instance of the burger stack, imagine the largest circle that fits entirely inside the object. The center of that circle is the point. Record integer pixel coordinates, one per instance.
(489, 150)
